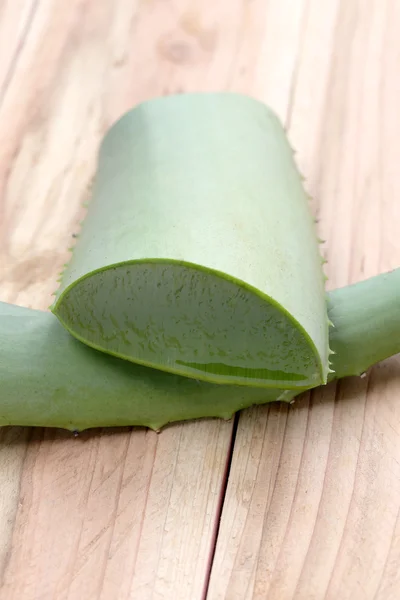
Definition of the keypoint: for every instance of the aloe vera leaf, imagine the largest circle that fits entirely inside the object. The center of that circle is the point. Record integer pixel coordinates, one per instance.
(198, 255)
(50, 379)
(366, 316)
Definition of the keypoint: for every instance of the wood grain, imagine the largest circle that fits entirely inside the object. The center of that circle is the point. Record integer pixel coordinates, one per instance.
(123, 515)
(311, 509)
(116, 515)
(313, 500)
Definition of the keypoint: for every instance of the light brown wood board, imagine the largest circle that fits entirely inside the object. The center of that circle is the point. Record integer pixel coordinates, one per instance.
(285, 503)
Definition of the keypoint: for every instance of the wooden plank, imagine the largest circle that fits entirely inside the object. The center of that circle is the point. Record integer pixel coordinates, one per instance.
(123, 514)
(313, 499)
(116, 515)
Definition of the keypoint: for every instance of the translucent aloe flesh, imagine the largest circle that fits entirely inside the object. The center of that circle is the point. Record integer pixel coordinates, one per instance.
(196, 286)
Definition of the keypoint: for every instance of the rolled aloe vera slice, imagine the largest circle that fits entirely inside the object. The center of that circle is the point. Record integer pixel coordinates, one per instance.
(198, 255)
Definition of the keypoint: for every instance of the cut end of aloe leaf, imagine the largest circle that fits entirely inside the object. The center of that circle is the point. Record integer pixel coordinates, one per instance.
(189, 320)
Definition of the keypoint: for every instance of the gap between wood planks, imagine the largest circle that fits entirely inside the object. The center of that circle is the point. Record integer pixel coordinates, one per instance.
(218, 514)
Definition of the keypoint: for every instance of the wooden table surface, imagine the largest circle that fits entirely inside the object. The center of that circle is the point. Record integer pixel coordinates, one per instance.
(298, 503)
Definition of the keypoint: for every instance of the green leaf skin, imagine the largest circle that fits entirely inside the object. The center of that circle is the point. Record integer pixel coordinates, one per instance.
(198, 255)
(50, 379)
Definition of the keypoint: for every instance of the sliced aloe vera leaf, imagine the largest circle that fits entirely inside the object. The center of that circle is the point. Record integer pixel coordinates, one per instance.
(49, 379)
(198, 255)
